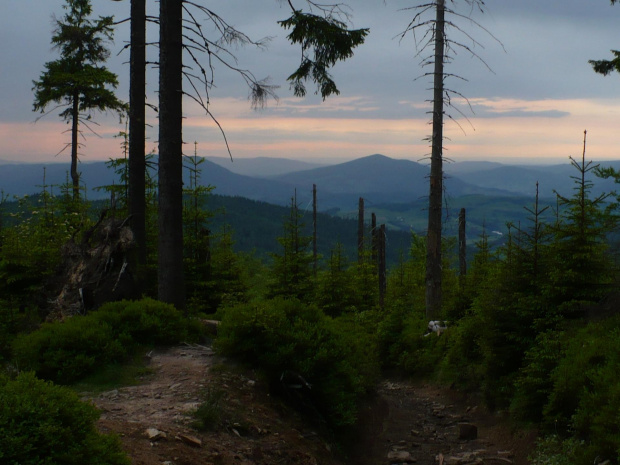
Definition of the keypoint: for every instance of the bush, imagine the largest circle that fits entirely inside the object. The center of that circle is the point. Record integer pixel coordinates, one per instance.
(65, 352)
(552, 450)
(405, 344)
(44, 424)
(534, 384)
(208, 415)
(146, 321)
(585, 399)
(295, 343)
(463, 363)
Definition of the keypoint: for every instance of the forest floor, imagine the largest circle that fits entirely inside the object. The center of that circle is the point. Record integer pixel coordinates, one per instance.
(405, 423)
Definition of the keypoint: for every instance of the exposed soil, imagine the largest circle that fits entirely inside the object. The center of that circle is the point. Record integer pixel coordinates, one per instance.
(405, 423)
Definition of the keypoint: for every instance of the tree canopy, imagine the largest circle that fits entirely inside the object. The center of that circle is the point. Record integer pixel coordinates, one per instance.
(606, 67)
(76, 81)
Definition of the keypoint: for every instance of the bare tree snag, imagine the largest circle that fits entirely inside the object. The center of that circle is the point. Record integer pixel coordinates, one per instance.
(435, 199)
(314, 235)
(374, 238)
(171, 281)
(382, 266)
(462, 247)
(137, 121)
(360, 231)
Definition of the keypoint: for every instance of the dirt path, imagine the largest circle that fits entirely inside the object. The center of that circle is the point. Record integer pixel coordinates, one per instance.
(421, 423)
(407, 423)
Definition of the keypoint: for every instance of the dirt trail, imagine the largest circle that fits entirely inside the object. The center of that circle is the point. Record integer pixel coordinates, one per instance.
(421, 423)
(407, 423)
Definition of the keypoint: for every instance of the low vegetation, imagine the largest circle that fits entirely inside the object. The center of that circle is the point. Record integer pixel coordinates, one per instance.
(66, 352)
(326, 366)
(532, 326)
(41, 423)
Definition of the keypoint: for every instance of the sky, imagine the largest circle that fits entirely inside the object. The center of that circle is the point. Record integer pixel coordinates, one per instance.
(529, 88)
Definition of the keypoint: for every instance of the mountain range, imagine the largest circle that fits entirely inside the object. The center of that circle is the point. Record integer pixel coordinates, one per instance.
(378, 178)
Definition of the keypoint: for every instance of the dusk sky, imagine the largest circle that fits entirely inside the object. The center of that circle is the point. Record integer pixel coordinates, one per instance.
(534, 103)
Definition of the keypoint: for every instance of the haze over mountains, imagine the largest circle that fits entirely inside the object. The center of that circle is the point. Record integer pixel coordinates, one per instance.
(377, 178)
(396, 190)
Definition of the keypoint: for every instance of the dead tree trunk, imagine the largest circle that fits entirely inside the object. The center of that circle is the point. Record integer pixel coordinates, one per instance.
(462, 247)
(382, 266)
(314, 235)
(433, 237)
(137, 120)
(171, 280)
(75, 118)
(374, 237)
(360, 231)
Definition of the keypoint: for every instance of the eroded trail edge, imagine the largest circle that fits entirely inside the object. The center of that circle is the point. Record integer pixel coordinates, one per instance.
(406, 423)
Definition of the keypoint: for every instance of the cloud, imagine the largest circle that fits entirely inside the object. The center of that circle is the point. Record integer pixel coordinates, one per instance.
(538, 101)
(45, 141)
(511, 108)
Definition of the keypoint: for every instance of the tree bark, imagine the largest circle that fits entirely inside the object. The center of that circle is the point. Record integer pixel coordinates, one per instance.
(374, 238)
(137, 135)
(171, 282)
(462, 247)
(314, 234)
(433, 238)
(382, 267)
(360, 231)
(75, 121)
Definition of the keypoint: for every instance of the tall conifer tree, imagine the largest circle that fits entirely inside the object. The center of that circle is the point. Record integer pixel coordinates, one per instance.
(77, 81)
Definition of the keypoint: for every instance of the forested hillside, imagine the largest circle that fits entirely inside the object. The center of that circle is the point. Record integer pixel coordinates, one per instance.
(515, 320)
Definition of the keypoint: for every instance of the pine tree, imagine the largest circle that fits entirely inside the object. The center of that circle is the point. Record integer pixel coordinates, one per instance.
(292, 270)
(77, 80)
(582, 269)
(606, 67)
(335, 293)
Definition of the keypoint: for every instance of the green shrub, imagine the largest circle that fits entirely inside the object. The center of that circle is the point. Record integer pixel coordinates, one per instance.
(287, 338)
(585, 399)
(208, 415)
(146, 321)
(534, 383)
(405, 344)
(553, 450)
(65, 352)
(44, 424)
(463, 360)
(421, 351)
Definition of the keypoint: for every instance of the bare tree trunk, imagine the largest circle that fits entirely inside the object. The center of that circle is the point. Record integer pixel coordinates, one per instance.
(137, 96)
(360, 231)
(314, 235)
(171, 282)
(462, 247)
(75, 121)
(382, 266)
(374, 237)
(433, 238)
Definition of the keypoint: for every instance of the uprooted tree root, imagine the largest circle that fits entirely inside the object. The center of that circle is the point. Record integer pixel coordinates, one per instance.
(94, 270)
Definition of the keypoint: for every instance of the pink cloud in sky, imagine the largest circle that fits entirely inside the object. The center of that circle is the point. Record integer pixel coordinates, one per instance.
(29, 142)
(496, 135)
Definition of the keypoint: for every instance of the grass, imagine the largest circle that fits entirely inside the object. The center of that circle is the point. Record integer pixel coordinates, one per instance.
(114, 376)
(209, 414)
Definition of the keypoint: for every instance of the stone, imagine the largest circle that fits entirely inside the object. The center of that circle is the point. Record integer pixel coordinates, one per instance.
(110, 394)
(155, 435)
(190, 440)
(400, 456)
(468, 431)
